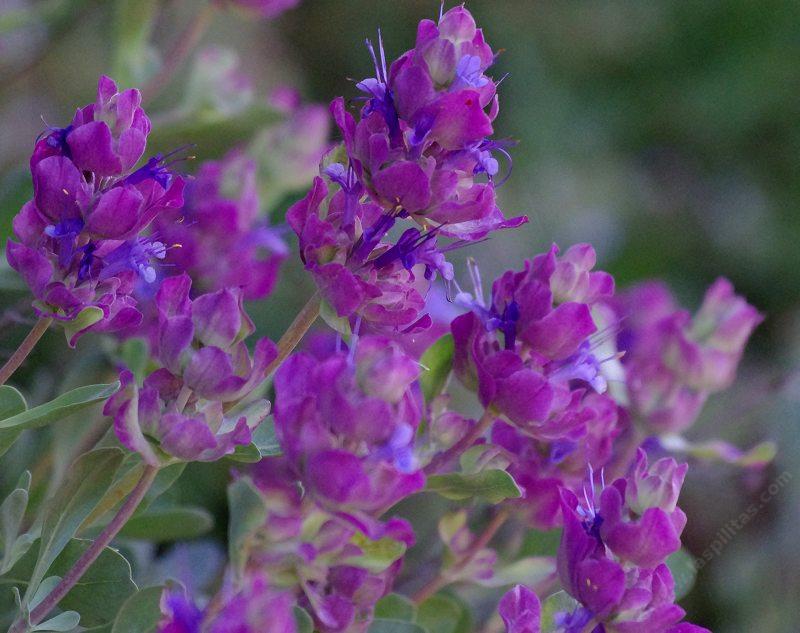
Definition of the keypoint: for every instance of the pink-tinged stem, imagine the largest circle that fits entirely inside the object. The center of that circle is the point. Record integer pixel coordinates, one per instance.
(184, 45)
(25, 348)
(95, 549)
(442, 580)
(442, 460)
(295, 332)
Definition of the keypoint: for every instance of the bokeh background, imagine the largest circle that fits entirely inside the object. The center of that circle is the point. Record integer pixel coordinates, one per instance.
(665, 132)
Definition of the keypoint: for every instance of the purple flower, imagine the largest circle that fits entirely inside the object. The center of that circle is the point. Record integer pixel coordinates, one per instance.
(347, 424)
(674, 361)
(359, 274)
(417, 152)
(179, 612)
(422, 137)
(255, 607)
(541, 467)
(80, 248)
(222, 242)
(106, 138)
(520, 610)
(525, 354)
(611, 556)
(319, 553)
(179, 410)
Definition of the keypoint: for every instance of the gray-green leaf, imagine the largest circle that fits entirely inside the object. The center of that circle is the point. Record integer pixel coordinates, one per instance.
(304, 622)
(97, 596)
(169, 524)
(439, 613)
(559, 602)
(64, 405)
(684, 572)
(380, 625)
(86, 482)
(247, 515)
(437, 361)
(12, 511)
(396, 607)
(11, 403)
(140, 613)
(492, 485)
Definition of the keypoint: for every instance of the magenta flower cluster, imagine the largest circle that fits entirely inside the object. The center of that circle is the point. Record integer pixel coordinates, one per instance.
(570, 376)
(418, 154)
(82, 246)
(179, 412)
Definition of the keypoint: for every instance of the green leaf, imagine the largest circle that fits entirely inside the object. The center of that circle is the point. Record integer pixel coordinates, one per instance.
(169, 524)
(492, 485)
(62, 622)
(86, 318)
(684, 572)
(264, 443)
(247, 515)
(381, 625)
(304, 622)
(100, 592)
(437, 361)
(12, 511)
(11, 403)
(125, 481)
(84, 486)
(66, 404)
(140, 613)
(439, 613)
(334, 321)
(375, 556)
(396, 607)
(558, 602)
(134, 355)
(527, 571)
(538, 543)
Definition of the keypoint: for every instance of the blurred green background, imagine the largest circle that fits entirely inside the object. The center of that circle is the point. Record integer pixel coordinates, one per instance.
(667, 133)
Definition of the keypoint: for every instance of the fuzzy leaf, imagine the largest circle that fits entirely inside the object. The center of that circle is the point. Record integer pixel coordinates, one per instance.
(57, 409)
(380, 625)
(86, 482)
(247, 515)
(377, 555)
(97, 596)
(140, 613)
(86, 318)
(528, 571)
(559, 602)
(396, 607)
(337, 323)
(12, 511)
(439, 613)
(684, 572)
(12, 403)
(304, 622)
(436, 362)
(492, 485)
(170, 524)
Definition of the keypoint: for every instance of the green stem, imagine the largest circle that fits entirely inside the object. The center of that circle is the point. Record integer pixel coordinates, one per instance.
(80, 567)
(443, 579)
(25, 348)
(441, 460)
(295, 332)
